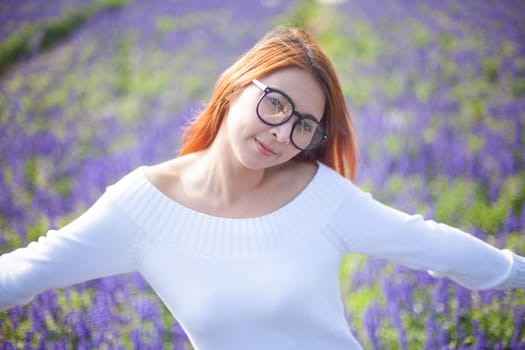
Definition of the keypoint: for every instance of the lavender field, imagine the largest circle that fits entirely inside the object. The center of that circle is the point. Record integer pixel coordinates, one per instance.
(436, 90)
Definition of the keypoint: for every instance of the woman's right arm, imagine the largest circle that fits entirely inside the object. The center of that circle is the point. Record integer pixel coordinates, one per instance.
(99, 243)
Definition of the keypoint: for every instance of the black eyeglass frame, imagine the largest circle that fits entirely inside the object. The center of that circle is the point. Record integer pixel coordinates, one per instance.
(266, 90)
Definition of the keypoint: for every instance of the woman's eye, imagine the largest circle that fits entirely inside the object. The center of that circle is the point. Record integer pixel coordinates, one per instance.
(276, 104)
(305, 126)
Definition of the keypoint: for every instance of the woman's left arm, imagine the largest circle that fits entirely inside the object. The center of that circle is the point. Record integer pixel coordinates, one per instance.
(368, 227)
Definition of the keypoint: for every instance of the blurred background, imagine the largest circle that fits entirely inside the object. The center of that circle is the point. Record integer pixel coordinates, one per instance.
(91, 89)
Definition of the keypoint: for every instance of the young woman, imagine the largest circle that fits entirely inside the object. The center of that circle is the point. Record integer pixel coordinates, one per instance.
(242, 235)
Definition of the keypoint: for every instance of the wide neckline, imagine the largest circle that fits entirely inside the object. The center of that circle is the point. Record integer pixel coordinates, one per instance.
(277, 212)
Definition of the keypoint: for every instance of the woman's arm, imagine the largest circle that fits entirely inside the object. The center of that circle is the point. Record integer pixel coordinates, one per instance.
(97, 244)
(369, 227)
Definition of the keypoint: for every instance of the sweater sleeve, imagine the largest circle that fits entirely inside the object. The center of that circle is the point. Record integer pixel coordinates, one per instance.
(97, 244)
(371, 228)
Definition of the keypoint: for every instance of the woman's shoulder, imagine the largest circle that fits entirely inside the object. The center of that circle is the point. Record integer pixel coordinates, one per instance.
(145, 180)
(329, 175)
(297, 172)
(331, 184)
(159, 174)
(140, 193)
(165, 176)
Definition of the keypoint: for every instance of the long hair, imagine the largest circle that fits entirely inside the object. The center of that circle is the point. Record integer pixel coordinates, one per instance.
(280, 48)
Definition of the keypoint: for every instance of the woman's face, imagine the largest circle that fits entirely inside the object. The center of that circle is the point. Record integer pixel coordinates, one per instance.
(258, 145)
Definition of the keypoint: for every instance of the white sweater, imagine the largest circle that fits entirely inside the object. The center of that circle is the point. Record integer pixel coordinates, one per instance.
(269, 282)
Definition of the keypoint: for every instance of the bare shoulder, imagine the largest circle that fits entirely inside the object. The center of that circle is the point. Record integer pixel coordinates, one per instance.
(165, 175)
(309, 169)
(297, 175)
(304, 170)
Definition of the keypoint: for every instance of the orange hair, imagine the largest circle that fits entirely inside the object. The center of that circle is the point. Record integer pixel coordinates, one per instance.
(280, 48)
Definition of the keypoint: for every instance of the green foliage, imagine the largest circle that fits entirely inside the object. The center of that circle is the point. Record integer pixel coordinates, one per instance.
(12, 238)
(58, 29)
(37, 229)
(446, 42)
(491, 68)
(32, 173)
(43, 36)
(465, 202)
(518, 82)
(420, 35)
(123, 64)
(14, 48)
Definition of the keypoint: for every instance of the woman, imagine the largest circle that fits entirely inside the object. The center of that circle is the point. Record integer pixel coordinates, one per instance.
(242, 235)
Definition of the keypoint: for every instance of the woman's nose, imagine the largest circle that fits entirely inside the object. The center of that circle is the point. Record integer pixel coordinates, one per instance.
(282, 132)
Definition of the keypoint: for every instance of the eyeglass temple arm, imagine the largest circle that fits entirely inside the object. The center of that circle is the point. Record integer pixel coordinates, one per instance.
(259, 84)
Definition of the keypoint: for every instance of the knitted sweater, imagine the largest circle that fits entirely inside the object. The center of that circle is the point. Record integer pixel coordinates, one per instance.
(268, 282)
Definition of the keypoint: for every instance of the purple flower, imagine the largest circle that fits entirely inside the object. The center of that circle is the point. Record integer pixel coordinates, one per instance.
(371, 320)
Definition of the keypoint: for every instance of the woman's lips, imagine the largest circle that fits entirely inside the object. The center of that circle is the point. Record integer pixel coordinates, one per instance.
(264, 149)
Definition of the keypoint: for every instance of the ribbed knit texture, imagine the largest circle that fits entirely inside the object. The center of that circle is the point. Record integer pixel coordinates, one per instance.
(202, 234)
(516, 274)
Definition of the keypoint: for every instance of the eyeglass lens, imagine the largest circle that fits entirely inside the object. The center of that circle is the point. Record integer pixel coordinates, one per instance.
(275, 109)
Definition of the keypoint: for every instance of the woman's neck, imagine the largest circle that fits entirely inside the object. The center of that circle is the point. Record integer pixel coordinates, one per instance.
(224, 177)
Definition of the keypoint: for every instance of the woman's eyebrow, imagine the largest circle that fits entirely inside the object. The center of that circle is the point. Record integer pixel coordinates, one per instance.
(308, 115)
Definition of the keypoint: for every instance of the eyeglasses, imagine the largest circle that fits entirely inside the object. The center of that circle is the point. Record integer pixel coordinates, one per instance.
(276, 108)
